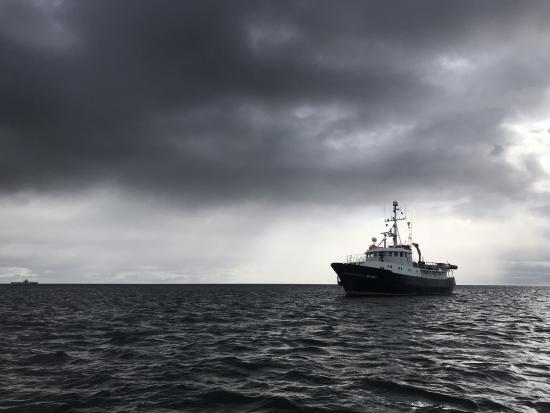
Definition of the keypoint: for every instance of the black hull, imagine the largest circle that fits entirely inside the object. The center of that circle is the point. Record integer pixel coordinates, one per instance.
(361, 280)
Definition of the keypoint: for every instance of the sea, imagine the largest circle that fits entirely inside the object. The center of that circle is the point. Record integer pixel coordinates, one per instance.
(272, 348)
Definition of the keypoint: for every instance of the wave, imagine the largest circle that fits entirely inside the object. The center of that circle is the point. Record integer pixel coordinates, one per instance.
(418, 393)
(272, 348)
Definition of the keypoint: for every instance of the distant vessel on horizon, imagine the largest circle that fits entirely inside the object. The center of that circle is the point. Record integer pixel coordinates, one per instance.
(25, 282)
(391, 270)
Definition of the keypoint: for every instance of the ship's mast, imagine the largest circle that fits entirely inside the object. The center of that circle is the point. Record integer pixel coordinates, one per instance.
(394, 231)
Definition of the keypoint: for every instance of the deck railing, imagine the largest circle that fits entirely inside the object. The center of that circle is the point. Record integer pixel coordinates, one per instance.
(355, 258)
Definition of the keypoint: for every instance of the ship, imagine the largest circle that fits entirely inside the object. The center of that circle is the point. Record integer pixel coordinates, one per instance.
(389, 267)
(25, 282)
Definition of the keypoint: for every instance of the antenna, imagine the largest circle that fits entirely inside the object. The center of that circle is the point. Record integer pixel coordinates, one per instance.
(411, 228)
(393, 232)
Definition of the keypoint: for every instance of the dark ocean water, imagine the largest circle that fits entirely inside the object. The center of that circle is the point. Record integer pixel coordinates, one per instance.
(118, 348)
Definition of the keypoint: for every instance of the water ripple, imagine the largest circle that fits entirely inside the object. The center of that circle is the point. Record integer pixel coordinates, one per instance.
(272, 348)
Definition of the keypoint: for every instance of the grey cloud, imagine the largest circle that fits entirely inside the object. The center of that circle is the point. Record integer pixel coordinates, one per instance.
(201, 100)
(524, 272)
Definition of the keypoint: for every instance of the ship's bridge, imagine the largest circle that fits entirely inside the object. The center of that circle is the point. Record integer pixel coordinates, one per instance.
(398, 253)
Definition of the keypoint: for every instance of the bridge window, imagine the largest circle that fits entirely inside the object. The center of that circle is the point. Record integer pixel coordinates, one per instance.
(400, 254)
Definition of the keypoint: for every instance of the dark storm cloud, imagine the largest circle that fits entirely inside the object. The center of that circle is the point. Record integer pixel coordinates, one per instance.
(224, 101)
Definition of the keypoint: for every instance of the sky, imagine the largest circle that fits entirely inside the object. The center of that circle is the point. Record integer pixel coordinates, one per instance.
(259, 141)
